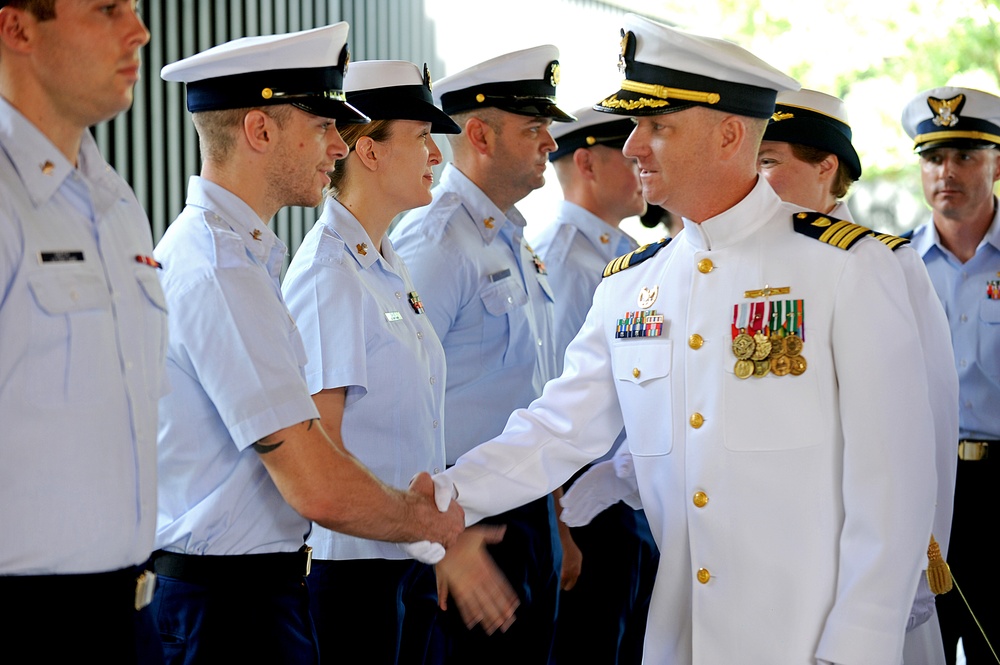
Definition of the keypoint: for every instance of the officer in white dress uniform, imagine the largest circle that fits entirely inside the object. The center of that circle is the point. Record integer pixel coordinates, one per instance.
(604, 601)
(808, 158)
(763, 367)
(244, 462)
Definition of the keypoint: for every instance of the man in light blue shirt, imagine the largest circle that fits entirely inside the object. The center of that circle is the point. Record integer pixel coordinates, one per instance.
(605, 600)
(487, 295)
(956, 132)
(82, 333)
(244, 461)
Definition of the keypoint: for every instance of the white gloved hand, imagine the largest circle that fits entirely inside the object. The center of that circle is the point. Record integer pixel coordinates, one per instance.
(600, 488)
(423, 551)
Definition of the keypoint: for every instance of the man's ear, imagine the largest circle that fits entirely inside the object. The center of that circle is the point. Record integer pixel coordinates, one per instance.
(732, 134)
(583, 160)
(16, 29)
(259, 130)
(480, 135)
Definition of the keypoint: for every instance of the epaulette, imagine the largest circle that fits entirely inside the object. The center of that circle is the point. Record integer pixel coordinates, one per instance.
(839, 233)
(635, 257)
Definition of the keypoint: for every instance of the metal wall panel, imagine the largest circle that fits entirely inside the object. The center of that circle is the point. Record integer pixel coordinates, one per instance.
(155, 147)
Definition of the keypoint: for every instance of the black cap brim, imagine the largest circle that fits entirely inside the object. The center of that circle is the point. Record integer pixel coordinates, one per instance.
(816, 134)
(539, 108)
(404, 103)
(342, 112)
(957, 143)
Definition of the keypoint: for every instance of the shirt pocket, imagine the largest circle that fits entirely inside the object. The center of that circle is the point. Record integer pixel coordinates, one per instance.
(641, 368)
(73, 345)
(505, 326)
(989, 337)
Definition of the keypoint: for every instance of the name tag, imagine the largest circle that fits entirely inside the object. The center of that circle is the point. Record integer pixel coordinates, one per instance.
(65, 256)
(393, 316)
(497, 276)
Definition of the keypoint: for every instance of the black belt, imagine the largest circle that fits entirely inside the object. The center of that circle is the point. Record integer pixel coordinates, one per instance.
(134, 584)
(974, 451)
(207, 570)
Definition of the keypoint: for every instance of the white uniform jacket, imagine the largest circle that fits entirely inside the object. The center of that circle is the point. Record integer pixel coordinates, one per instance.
(792, 513)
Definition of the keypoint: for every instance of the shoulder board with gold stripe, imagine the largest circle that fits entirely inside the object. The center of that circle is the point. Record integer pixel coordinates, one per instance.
(838, 232)
(635, 257)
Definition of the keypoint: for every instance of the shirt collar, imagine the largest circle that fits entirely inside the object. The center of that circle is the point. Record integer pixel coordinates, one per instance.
(43, 168)
(224, 207)
(609, 241)
(737, 223)
(342, 221)
(489, 219)
(926, 236)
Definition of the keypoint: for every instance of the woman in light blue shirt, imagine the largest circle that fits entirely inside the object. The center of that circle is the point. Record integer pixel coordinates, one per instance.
(376, 367)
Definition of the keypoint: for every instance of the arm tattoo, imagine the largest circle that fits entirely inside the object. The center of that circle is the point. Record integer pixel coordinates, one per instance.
(265, 448)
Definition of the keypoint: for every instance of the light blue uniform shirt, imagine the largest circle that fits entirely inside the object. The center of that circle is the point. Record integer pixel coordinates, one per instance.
(488, 301)
(235, 362)
(975, 324)
(362, 331)
(576, 248)
(82, 336)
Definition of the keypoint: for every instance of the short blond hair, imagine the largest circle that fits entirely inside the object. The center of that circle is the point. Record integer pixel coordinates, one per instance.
(217, 130)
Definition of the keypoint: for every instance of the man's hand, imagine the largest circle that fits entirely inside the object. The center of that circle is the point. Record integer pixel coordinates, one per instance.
(572, 560)
(437, 526)
(468, 575)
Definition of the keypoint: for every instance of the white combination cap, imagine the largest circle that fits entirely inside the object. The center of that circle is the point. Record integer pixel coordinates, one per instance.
(305, 69)
(396, 90)
(522, 82)
(591, 128)
(817, 120)
(953, 118)
(667, 70)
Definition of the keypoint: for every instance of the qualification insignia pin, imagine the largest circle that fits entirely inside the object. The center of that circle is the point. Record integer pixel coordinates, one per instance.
(647, 296)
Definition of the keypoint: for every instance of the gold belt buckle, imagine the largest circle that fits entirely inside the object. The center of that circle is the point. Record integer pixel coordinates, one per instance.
(145, 584)
(973, 451)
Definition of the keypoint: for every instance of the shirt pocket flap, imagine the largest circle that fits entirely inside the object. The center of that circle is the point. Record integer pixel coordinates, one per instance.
(503, 296)
(62, 294)
(989, 311)
(640, 361)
